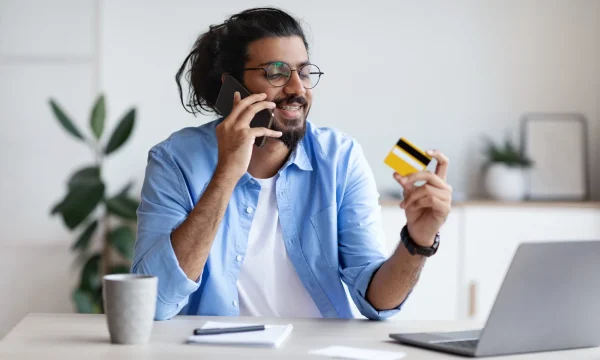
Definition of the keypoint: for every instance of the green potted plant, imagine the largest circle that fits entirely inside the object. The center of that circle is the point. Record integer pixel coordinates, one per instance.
(505, 173)
(87, 210)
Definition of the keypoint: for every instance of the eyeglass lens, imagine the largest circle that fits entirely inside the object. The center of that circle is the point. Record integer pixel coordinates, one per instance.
(279, 73)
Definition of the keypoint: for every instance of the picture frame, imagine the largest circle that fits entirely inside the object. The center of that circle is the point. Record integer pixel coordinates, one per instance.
(557, 143)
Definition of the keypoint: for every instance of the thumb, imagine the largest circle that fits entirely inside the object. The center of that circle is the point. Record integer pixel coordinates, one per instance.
(403, 181)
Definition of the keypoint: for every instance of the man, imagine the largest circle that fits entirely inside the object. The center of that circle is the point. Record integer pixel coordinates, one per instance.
(234, 229)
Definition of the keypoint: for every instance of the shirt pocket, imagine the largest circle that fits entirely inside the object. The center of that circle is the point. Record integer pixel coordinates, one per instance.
(324, 224)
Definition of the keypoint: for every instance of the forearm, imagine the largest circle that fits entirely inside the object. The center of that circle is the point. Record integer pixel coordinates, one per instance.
(394, 280)
(193, 239)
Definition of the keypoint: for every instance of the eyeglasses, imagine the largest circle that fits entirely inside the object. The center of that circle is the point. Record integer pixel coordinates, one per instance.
(279, 74)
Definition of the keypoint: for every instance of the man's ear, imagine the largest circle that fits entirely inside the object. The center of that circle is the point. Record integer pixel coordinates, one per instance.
(223, 77)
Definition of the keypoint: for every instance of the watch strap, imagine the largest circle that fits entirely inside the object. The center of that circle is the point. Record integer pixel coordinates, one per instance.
(415, 249)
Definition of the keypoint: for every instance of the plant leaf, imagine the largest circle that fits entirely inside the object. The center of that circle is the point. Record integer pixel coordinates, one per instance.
(125, 189)
(123, 239)
(90, 274)
(79, 261)
(98, 116)
(81, 200)
(84, 239)
(84, 180)
(123, 206)
(87, 175)
(64, 120)
(507, 153)
(121, 133)
(83, 301)
(97, 308)
(120, 269)
(57, 208)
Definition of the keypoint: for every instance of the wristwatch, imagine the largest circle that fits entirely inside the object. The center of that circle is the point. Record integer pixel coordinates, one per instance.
(414, 249)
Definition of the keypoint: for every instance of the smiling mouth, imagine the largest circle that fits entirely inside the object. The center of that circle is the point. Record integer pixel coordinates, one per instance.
(290, 108)
(289, 111)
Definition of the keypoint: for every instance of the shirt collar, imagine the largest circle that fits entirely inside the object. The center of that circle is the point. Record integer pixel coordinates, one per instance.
(299, 157)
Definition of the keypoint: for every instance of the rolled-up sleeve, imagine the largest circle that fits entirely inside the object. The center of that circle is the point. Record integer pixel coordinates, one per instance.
(164, 205)
(360, 235)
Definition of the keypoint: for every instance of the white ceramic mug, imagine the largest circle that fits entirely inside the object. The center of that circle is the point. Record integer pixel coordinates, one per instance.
(129, 305)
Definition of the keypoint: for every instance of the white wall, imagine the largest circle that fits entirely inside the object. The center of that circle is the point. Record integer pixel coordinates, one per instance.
(448, 73)
(440, 73)
(47, 48)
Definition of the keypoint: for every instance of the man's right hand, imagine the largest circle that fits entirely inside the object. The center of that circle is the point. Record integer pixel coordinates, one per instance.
(193, 239)
(236, 138)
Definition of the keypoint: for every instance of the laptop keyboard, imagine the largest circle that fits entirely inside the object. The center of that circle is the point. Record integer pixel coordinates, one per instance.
(463, 344)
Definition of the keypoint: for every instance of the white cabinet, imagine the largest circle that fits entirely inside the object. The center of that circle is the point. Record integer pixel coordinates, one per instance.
(435, 295)
(492, 234)
(478, 242)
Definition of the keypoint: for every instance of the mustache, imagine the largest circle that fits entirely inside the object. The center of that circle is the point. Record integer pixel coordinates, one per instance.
(290, 100)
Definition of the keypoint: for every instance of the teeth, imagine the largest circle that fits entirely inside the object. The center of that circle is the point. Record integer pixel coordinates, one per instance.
(290, 108)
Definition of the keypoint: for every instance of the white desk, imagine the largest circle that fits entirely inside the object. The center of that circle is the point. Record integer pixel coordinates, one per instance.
(75, 336)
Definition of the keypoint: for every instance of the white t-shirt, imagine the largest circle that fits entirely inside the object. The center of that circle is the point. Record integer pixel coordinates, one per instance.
(268, 284)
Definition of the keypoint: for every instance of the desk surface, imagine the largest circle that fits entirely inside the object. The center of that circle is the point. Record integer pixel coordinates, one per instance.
(75, 336)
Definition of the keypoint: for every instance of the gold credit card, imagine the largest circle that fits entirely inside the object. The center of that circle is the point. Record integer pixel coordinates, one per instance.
(405, 158)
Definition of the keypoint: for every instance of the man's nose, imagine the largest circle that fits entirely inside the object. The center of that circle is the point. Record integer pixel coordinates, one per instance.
(295, 86)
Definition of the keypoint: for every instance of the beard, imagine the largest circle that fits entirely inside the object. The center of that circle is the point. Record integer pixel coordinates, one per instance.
(293, 130)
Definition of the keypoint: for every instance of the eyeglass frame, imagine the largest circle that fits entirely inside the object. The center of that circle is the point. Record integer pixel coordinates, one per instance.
(291, 70)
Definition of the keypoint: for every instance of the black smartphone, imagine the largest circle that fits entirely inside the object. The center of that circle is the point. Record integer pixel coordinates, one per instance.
(224, 105)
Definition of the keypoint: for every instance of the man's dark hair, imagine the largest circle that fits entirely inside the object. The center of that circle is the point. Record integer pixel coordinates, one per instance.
(224, 48)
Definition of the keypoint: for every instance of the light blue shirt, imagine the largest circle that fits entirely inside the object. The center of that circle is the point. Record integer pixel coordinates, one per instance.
(328, 211)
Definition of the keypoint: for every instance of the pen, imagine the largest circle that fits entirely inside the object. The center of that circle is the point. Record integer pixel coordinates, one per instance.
(216, 331)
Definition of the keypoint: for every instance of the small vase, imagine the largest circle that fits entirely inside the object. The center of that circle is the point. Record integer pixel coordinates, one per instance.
(507, 183)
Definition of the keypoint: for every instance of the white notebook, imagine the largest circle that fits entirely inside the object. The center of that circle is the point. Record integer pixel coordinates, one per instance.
(272, 336)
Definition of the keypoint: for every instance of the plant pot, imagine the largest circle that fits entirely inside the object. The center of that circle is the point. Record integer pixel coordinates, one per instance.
(503, 182)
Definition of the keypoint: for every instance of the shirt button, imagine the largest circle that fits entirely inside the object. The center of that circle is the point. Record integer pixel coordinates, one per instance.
(249, 210)
(238, 258)
(234, 303)
(251, 181)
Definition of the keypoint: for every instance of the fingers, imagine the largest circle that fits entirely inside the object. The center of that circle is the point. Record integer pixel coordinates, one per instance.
(241, 105)
(424, 194)
(246, 117)
(261, 131)
(429, 177)
(411, 196)
(441, 169)
(236, 98)
(435, 204)
(402, 181)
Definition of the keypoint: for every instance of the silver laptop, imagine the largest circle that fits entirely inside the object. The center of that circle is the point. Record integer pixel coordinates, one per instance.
(549, 300)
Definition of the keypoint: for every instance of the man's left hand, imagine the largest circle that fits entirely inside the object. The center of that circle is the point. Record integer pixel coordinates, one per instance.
(426, 206)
